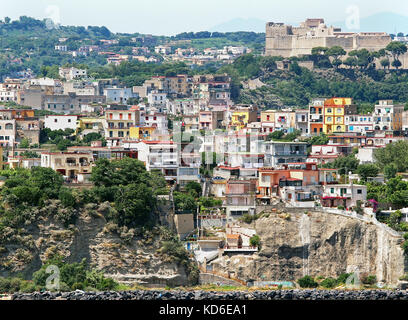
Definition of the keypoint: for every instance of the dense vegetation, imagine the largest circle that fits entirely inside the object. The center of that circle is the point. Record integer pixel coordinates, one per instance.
(130, 194)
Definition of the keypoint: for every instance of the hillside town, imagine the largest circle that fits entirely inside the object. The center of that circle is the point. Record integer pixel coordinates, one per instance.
(204, 158)
(188, 129)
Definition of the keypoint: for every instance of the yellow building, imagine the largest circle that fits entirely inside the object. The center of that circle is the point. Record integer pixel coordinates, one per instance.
(241, 117)
(144, 133)
(335, 110)
(88, 125)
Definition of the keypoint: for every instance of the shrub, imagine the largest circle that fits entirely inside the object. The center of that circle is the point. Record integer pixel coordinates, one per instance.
(405, 246)
(255, 241)
(329, 283)
(369, 280)
(343, 278)
(307, 282)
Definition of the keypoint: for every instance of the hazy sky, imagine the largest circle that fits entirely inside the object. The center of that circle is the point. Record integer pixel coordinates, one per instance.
(174, 16)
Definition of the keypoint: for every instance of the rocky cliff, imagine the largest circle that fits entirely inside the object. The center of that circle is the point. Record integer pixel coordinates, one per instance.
(127, 255)
(318, 244)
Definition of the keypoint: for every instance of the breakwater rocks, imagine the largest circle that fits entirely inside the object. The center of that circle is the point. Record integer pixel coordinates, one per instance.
(214, 295)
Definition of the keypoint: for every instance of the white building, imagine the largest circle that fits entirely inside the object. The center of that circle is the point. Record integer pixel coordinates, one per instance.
(157, 155)
(359, 123)
(157, 99)
(56, 122)
(7, 132)
(156, 120)
(162, 49)
(72, 73)
(346, 195)
(63, 48)
(119, 95)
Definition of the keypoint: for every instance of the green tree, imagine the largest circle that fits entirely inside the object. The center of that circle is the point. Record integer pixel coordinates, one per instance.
(390, 171)
(24, 143)
(385, 63)
(395, 153)
(134, 204)
(367, 170)
(336, 52)
(396, 48)
(194, 186)
(321, 139)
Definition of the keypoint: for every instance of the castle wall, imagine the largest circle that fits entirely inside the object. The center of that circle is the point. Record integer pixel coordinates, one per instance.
(372, 43)
(284, 40)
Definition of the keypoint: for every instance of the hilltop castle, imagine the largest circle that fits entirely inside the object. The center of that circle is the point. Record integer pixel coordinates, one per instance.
(286, 40)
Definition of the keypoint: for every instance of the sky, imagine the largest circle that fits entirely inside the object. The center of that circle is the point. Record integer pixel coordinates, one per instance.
(169, 17)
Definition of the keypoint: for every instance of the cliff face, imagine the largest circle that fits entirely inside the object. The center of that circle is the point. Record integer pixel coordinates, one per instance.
(119, 252)
(318, 244)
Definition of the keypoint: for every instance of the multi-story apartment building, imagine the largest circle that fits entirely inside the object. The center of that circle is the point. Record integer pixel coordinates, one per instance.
(240, 198)
(157, 155)
(211, 120)
(278, 153)
(178, 86)
(72, 73)
(268, 121)
(119, 119)
(8, 132)
(302, 121)
(70, 103)
(387, 116)
(359, 123)
(119, 95)
(316, 114)
(155, 120)
(242, 116)
(285, 120)
(212, 88)
(335, 110)
(191, 123)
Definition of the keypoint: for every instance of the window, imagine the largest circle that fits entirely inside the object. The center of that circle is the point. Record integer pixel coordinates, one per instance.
(69, 120)
(331, 190)
(55, 120)
(359, 191)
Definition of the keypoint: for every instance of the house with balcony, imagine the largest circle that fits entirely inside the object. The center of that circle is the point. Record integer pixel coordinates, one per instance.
(242, 116)
(328, 153)
(119, 120)
(69, 164)
(191, 123)
(240, 196)
(8, 132)
(162, 156)
(316, 114)
(295, 183)
(278, 152)
(360, 124)
(302, 121)
(387, 116)
(155, 120)
(345, 195)
(335, 110)
(211, 120)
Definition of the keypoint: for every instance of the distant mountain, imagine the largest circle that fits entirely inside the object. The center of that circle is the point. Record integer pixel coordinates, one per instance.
(384, 21)
(389, 22)
(240, 24)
